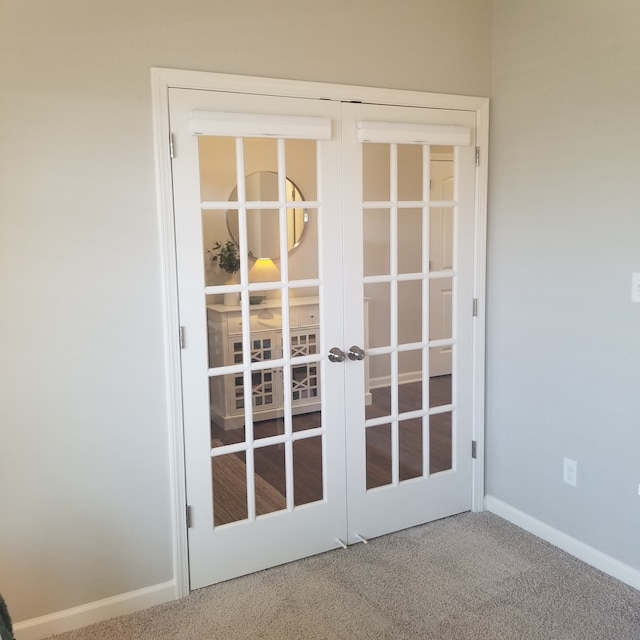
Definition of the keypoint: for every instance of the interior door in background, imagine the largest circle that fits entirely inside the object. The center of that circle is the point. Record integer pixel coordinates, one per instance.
(441, 257)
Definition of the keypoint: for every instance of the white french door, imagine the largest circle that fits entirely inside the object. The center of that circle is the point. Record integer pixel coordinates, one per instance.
(325, 286)
(409, 246)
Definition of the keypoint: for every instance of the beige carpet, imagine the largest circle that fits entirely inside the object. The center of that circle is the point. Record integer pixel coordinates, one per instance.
(469, 577)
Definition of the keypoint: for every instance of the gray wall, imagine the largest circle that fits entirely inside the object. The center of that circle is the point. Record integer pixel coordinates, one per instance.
(84, 470)
(564, 236)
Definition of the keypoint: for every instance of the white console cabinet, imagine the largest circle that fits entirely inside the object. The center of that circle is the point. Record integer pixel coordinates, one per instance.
(225, 348)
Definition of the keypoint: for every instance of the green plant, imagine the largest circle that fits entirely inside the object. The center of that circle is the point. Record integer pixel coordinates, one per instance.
(226, 256)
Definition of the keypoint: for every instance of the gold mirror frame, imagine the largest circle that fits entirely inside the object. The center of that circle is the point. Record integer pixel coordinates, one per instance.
(263, 237)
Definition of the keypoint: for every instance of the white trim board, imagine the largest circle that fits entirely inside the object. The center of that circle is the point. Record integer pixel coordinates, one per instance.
(573, 546)
(181, 79)
(92, 612)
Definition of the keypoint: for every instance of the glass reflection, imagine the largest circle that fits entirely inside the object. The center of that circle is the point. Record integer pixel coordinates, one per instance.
(440, 308)
(379, 369)
(410, 448)
(409, 241)
(269, 479)
(263, 223)
(441, 239)
(442, 173)
(229, 478)
(303, 260)
(440, 391)
(440, 442)
(410, 396)
(378, 456)
(409, 311)
(410, 172)
(307, 471)
(250, 340)
(376, 170)
(377, 247)
(302, 168)
(217, 162)
(379, 313)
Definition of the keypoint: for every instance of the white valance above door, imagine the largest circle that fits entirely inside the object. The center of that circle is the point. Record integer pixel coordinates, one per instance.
(410, 133)
(257, 125)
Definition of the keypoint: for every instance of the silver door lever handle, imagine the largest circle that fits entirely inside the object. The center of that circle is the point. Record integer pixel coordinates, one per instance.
(355, 353)
(336, 355)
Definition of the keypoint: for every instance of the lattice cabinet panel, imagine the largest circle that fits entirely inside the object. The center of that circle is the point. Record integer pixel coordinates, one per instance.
(305, 379)
(227, 394)
(264, 382)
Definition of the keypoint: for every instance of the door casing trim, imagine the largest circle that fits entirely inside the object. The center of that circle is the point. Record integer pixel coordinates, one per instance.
(164, 79)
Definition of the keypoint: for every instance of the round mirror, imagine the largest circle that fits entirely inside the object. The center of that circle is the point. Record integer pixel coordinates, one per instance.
(262, 224)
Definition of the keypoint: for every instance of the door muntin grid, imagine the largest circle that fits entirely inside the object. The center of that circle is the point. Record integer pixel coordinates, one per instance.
(271, 375)
(409, 223)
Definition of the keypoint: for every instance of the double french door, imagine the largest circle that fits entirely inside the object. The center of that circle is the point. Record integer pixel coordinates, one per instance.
(325, 288)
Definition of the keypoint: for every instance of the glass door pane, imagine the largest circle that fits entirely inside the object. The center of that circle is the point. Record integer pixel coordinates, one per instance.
(409, 281)
(262, 300)
(396, 283)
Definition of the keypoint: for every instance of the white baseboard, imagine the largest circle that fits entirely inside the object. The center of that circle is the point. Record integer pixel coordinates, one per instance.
(93, 612)
(69, 619)
(575, 547)
(385, 381)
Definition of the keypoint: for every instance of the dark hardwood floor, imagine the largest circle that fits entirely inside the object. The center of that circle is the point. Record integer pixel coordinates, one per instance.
(230, 503)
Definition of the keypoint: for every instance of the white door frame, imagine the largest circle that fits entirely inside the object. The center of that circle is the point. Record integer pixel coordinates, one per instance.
(161, 81)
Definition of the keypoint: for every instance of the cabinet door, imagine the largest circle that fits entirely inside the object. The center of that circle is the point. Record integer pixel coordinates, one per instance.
(265, 386)
(305, 378)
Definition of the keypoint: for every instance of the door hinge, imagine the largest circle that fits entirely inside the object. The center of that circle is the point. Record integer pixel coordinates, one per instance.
(477, 156)
(171, 155)
(188, 516)
(475, 307)
(474, 449)
(181, 337)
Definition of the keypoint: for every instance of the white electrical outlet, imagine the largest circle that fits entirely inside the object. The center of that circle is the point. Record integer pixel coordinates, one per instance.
(570, 472)
(635, 287)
